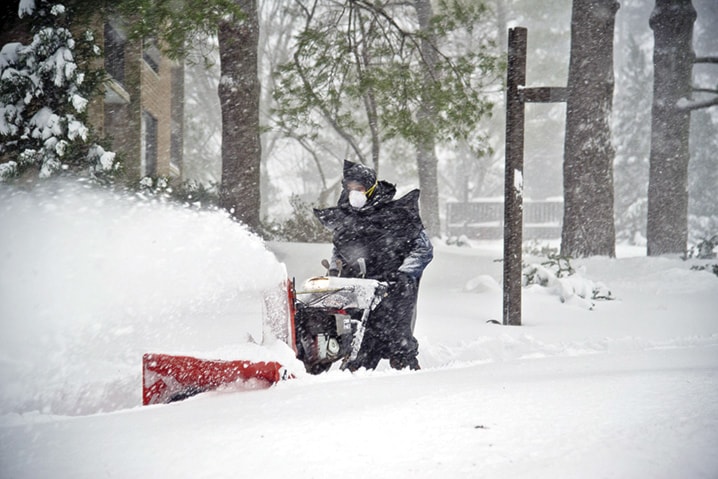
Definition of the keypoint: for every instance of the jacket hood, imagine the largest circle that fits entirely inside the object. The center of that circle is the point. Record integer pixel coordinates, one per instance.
(363, 175)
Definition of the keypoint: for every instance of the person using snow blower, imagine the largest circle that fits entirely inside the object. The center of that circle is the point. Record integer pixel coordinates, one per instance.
(369, 224)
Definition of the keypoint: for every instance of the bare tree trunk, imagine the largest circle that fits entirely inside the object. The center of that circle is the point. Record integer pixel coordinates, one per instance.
(426, 152)
(239, 95)
(588, 227)
(667, 227)
(501, 35)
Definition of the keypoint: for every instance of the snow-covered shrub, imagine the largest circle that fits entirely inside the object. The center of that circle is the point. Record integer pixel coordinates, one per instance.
(196, 193)
(302, 226)
(189, 193)
(704, 249)
(45, 88)
(461, 241)
(561, 279)
(702, 227)
(535, 247)
(561, 265)
(712, 268)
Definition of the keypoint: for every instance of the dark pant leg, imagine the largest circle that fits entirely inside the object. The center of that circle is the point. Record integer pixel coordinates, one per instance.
(388, 331)
(397, 312)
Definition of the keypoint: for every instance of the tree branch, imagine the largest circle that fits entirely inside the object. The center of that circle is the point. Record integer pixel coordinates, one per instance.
(325, 112)
(363, 64)
(412, 37)
(706, 60)
(684, 105)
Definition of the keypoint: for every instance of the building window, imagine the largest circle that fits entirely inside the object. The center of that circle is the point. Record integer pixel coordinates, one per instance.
(151, 55)
(115, 53)
(149, 144)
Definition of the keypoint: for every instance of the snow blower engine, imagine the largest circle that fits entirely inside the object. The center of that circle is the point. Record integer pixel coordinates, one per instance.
(330, 317)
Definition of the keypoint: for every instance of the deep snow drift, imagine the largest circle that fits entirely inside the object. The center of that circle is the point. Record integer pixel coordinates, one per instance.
(90, 280)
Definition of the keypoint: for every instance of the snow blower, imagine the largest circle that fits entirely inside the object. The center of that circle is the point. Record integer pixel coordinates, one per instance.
(323, 323)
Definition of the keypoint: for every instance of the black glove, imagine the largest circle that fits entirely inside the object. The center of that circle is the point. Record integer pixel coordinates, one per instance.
(399, 277)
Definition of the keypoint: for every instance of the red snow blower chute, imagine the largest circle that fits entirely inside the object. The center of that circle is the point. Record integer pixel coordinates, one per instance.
(167, 378)
(323, 323)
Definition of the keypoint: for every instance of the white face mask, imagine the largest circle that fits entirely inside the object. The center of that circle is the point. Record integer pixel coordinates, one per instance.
(357, 199)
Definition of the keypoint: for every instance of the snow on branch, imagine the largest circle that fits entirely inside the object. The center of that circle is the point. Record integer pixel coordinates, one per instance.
(43, 100)
(26, 8)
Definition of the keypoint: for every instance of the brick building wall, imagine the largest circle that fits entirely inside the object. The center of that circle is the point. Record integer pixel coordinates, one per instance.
(155, 101)
(141, 106)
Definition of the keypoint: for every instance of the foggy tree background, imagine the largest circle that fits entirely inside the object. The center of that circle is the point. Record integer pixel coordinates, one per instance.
(703, 166)
(374, 74)
(466, 174)
(472, 168)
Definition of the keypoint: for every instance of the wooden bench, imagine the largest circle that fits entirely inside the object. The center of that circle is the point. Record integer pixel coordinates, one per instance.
(484, 219)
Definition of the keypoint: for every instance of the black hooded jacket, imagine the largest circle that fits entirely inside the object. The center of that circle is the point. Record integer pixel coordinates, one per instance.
(383, 232)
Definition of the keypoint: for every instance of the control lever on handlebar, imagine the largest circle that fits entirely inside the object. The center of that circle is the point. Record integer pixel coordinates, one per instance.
(325, 263)
(362, 267)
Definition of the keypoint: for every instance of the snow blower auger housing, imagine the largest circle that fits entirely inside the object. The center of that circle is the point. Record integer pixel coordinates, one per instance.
(330, 316)
(323, 323)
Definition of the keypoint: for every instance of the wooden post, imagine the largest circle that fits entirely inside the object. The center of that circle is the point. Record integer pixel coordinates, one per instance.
(513, 176)
(516, 96)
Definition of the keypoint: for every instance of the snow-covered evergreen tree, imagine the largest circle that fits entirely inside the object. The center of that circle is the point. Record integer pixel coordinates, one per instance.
(703, 178)
(45, 88)
(632, 135)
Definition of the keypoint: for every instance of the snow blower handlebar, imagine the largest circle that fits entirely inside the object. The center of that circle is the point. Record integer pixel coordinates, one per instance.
(361, 262)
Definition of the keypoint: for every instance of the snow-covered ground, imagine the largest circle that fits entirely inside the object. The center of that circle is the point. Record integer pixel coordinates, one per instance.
(91, 280)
